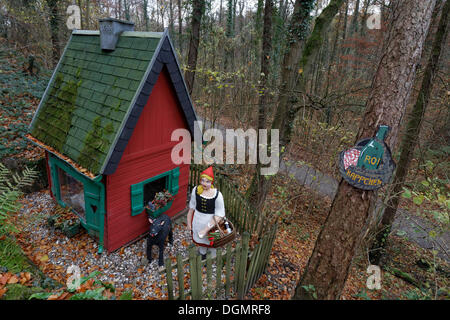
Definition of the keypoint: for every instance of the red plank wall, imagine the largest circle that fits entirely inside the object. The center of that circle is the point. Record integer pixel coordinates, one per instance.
(146, 155)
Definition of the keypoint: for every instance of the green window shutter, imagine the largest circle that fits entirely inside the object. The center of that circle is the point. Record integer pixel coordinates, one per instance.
(175, 173)
(137, 199)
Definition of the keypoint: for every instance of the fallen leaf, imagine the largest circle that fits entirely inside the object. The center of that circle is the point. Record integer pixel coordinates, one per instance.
(63, 296)
(3, 291)
(107, 294)
(13, 279)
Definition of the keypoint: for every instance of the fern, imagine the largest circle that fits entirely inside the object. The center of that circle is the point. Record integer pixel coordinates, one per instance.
(10, 192)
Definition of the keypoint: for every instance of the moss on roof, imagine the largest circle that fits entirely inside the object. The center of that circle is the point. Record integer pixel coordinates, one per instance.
(90, 94)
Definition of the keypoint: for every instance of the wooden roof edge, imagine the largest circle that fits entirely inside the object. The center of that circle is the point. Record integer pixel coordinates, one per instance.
(69, 161)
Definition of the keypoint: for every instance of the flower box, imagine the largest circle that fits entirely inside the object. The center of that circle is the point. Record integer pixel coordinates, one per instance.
(64, 220)
(71, 230)
(155, 214)
(161, 203)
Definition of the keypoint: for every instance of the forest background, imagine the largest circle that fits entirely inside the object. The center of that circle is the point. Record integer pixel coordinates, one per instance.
(238, 71)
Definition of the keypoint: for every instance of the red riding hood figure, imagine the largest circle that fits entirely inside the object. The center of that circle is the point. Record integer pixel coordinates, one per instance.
(205, 205)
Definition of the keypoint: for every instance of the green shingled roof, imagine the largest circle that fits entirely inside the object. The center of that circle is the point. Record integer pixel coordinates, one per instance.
(90, 95)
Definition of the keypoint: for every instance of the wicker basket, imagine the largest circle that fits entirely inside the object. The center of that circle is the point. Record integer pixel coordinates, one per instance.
(224, 237)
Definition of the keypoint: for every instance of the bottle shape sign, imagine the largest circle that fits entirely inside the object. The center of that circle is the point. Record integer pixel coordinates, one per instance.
(372, 153)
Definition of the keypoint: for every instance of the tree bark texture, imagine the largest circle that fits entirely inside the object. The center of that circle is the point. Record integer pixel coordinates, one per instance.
(259, 184)
(295, 59)
(197, 13)
(411, 135)
(54, 30)
(329, 264)
(180, 28)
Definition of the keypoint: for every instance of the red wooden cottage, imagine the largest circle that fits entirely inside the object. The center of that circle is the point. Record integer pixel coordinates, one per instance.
(105, 122)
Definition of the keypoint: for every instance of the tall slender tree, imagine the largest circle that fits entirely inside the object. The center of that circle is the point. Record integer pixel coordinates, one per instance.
(411, 136)
(258, 185)
(54, 29)
(328, 267)
(297, 32)
(197, 13)
(297, 58)
(180, 28)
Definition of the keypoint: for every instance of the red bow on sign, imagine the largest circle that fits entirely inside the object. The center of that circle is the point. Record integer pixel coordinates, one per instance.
(351, 158)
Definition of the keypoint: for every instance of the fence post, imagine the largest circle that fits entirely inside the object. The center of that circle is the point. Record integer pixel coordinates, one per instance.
(180, 275)
(219, 260)
(228, 270)
(252, 269)
(242, 268)
(208, 272)
(193, 270)
(168, 265)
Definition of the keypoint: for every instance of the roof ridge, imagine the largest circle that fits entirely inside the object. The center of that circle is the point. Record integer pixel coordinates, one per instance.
(140, 34)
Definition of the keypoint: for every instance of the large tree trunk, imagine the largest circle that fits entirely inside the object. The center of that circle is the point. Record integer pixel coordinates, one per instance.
(329, 264)
(197, 13)
(410, 137)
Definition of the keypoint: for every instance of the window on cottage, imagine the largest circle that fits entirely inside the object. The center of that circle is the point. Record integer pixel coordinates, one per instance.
(72, 192)
(153, 187)
(145, 191)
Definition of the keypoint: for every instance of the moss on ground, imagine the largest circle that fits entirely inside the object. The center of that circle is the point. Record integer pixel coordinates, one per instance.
(14, 260)
(20, 292)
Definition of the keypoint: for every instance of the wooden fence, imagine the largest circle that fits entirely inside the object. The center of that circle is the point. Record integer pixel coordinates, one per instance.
(234, 270)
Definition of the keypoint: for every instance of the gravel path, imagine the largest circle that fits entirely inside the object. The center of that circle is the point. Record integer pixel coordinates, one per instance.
(126, 268)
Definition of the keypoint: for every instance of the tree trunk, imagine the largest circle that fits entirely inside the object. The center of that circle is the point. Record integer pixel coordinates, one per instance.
(296, 59)
(295, 64)
(411, 136)
(258, 186)
(54, 30)
(80, 5)
(354, 24)
(88, 13)
(327, 269)
(180, 28)
(220, 12)
(344, 32)
(145, 13)
(229, 52)
(171, 28)
(197, 13)
(126, 7)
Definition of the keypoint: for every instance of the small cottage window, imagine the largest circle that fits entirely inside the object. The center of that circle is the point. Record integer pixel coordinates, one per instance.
(144, 191)
(153, 187)
(72, 192)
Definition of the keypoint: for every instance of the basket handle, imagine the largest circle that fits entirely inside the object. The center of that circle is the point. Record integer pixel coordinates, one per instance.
(218, 227)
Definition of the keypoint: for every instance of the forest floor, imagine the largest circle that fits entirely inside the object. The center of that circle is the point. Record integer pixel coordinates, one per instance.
(409, 271)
